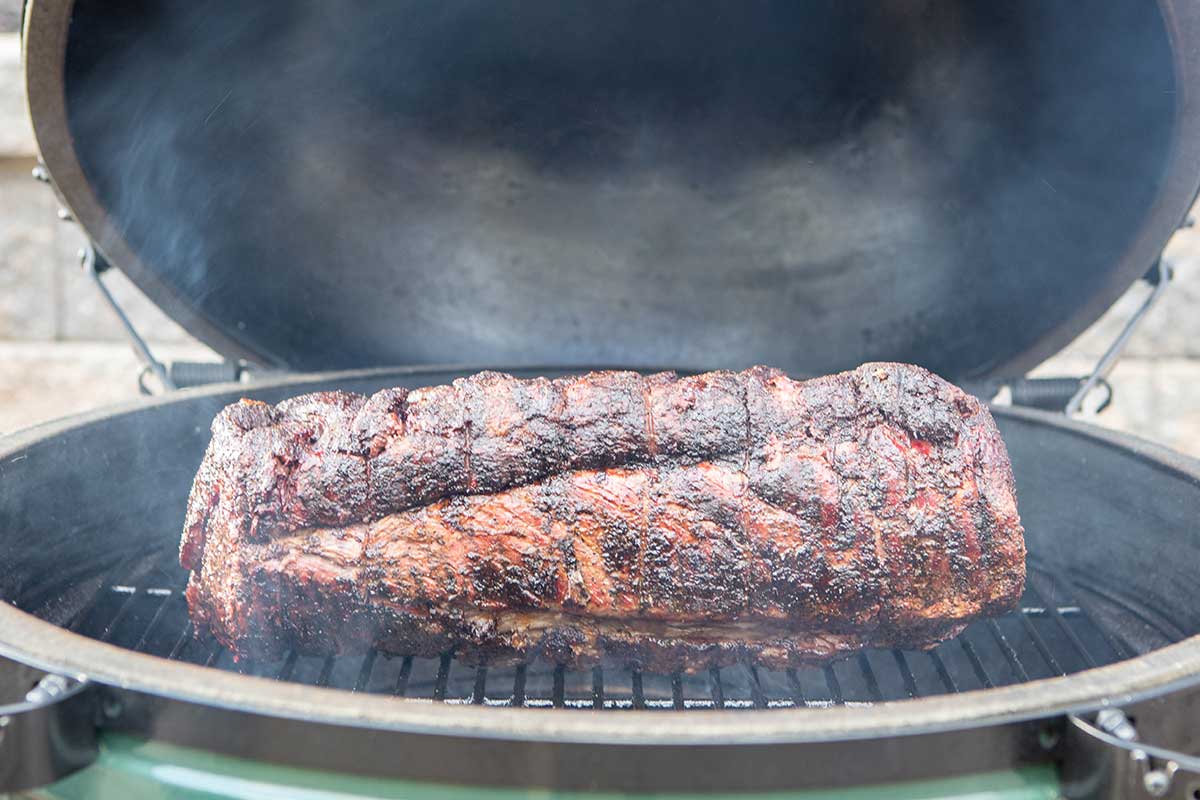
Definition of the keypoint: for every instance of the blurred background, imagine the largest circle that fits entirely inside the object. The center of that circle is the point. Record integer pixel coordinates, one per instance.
(62, 351)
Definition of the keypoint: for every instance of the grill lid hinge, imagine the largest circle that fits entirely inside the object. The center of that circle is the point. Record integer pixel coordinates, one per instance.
(1068, 394)
(94, 267)
(1159, 277)
(168, 375)
(1105, 759)
(49, 732)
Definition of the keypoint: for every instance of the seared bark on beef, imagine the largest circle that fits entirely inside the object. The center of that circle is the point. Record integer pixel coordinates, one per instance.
(672, 522)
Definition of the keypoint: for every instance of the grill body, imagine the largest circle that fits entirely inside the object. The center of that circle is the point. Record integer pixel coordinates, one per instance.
(1107, 614)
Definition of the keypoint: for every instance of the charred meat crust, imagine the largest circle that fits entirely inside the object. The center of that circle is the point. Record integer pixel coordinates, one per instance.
(673, 522)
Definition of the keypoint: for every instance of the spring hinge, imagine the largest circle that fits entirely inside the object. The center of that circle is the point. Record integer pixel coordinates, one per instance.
(1159, 277)
(170, 376)
(1069, 394)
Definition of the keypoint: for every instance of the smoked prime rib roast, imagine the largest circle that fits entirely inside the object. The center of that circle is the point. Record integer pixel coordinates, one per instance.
(668, 522)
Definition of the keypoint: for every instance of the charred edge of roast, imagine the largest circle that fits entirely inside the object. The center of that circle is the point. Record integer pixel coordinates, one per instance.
(832, 458)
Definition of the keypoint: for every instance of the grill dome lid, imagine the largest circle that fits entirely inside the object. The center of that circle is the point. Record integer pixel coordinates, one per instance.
(964, 186)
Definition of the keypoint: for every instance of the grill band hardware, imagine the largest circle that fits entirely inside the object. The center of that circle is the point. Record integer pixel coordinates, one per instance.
(1105, 759)
(49, 732)
(168, 375)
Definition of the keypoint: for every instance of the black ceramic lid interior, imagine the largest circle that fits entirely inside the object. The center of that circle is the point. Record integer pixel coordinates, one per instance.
(963, 186)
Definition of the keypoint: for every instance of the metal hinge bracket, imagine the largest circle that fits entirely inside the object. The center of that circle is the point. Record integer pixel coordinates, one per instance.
(94, 268)
(49, 732)
(1069, 394)
(1105, 760)
(170, 376)
(1159, 277)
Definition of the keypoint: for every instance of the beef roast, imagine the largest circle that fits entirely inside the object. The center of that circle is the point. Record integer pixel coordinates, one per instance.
(670, 522)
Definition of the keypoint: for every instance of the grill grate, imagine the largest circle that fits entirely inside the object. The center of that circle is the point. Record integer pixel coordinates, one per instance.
(1043, 639)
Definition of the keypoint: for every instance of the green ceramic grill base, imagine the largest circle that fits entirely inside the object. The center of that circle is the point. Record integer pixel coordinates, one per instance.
(130, 769)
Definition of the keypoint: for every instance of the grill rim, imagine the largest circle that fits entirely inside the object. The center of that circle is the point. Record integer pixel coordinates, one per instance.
(1174, 668)
(41, 644)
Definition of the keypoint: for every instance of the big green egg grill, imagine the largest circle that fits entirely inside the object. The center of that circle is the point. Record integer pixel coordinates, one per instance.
(320, 191)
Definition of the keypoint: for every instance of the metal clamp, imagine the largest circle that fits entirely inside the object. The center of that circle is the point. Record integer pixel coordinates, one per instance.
(48, 734)
(1104, 760)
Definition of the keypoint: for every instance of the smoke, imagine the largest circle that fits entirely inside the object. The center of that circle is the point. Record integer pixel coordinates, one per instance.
(700, 183)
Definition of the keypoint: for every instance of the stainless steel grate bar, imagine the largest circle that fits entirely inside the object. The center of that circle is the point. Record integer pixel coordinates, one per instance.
(598, 687)
(864, 664)
(835, 686)
(1010, 655)
(326, 671)
(154, 620)
(479, 690)
(976, 664)
(443, 675)
(943, 673)
(757, 695)
(1064, 634)
(558, 693)
(289, 666)
(639, 697)
(1040, 644)
(797, 690)
(185, 636)
(718, 691)
(364, 672)
(401, 687)
(518, 698)
(906, 674)
(1057, 616)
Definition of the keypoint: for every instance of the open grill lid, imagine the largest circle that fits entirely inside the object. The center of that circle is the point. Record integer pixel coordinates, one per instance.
(964, 186)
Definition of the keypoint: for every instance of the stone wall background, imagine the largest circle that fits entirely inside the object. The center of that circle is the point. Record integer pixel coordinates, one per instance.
(62, 352)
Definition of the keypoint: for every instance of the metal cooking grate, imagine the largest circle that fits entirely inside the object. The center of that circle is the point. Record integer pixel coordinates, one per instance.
(1043, 639)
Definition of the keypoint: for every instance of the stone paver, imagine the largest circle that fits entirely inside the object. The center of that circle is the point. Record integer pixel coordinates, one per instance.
(16, 135)
(43, 292)
(1173, 329)
(85, 315)
(27, 271)
(10, 14)
(41, 381)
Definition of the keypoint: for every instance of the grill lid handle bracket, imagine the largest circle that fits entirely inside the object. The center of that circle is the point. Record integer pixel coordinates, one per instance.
(49, 732)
